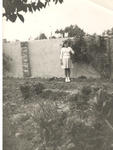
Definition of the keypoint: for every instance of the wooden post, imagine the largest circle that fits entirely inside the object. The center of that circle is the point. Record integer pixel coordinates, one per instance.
(109, 57)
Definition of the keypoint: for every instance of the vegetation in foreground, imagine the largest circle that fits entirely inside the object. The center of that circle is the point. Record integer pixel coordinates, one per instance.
(48, 114)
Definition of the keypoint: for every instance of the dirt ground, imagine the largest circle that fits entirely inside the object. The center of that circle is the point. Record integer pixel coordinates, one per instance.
(49, 114)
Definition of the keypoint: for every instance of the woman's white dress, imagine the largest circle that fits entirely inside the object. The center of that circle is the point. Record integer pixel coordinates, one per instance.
(66, 57)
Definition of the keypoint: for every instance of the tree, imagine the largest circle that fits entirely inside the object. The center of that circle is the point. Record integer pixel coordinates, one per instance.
(72, 30)
(13, 8)
(61, 31)
(53, 37)
(37, 38)
(108, 32)
(42, 36)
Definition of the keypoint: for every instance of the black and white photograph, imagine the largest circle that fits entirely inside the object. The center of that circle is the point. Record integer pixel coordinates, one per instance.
(57, 75)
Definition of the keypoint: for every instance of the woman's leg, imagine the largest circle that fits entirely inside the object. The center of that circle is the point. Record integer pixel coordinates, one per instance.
(66, 74)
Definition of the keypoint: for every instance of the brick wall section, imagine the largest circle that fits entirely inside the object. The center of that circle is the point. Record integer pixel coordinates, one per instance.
(25, 59)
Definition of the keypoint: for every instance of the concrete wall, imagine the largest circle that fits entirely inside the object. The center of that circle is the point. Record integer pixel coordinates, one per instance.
(44, 60)
(13, 50)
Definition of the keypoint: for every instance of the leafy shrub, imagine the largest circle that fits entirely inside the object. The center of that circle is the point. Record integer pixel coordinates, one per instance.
(53, 95)
(42, 36)
(104, 102)
(82, 78)
(25, 90)
(28, 89)
(86, 90)
(6, 63)
(39, 87)
(8, 138)
(91, 50)
(50, 124)
(80, 100)
(42, 125)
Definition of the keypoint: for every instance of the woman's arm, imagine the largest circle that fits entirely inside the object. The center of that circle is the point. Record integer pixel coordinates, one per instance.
(71, 50)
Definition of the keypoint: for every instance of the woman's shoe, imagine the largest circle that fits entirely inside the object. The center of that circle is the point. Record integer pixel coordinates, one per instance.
(68, 79)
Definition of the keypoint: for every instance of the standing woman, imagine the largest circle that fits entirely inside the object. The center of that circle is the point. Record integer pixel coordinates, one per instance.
(65, 60)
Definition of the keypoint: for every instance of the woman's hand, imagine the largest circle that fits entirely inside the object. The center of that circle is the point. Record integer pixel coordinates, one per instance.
(72, 51)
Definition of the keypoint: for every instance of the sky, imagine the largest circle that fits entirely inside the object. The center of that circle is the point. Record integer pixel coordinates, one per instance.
(89, 16)
(105, 3)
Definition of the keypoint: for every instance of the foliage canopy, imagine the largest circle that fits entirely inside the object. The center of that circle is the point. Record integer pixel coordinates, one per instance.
(72, 30)
(14, 7)
(91, 50)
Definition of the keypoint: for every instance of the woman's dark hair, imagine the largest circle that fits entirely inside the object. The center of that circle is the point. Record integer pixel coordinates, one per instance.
(65, 42)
